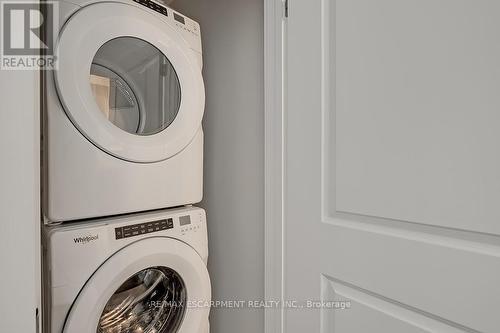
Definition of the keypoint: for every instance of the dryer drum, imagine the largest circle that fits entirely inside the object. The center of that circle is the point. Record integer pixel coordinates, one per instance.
(135, 86)
(152, 300)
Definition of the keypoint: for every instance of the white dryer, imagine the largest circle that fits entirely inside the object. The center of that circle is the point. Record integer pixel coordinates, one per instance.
(140, 273)
(123, 111)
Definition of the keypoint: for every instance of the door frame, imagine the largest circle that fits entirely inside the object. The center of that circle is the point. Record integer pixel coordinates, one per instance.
(274, 169)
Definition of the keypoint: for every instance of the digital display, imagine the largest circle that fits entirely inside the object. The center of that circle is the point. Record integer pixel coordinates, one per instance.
(185, 220)
(143, 228)
(179, 18)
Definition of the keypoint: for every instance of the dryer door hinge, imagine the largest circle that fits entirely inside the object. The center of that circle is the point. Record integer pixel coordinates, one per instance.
(285, 8)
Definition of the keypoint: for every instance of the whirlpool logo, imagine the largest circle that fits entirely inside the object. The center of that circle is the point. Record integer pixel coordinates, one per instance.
(86, 239)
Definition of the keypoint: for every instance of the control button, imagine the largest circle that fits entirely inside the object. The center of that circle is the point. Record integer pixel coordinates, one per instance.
(118, 233)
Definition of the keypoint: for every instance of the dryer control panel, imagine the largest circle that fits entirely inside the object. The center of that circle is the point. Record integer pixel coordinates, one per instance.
(187, 27)
(154, 6)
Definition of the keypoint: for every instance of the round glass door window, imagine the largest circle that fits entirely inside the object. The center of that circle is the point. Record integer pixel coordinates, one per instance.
(151, 301)
(135, 86)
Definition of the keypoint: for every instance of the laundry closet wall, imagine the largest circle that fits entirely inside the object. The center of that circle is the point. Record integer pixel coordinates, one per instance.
(19, 200)
(233, 51)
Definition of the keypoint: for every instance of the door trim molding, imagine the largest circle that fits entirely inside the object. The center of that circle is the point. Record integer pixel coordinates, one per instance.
(274, 29)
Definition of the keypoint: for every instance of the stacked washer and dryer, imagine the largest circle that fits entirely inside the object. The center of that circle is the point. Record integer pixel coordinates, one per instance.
(124, 249)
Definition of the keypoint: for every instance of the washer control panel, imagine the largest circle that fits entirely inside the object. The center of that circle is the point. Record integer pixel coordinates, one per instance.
(143, 228)
(189, 223)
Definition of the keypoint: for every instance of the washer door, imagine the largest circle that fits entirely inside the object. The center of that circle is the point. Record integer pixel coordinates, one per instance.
(129, 82)
(143, 289)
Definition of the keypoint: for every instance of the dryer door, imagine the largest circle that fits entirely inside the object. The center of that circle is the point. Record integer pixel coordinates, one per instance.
(143, 289)
(129, 82)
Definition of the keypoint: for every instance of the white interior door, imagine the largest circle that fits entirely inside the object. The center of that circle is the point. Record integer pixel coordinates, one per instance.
(392, 165)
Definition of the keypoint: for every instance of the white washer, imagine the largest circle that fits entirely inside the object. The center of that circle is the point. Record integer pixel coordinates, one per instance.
(123, 111)
(140, 273)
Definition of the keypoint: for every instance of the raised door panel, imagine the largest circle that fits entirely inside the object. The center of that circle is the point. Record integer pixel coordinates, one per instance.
(416, 111)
